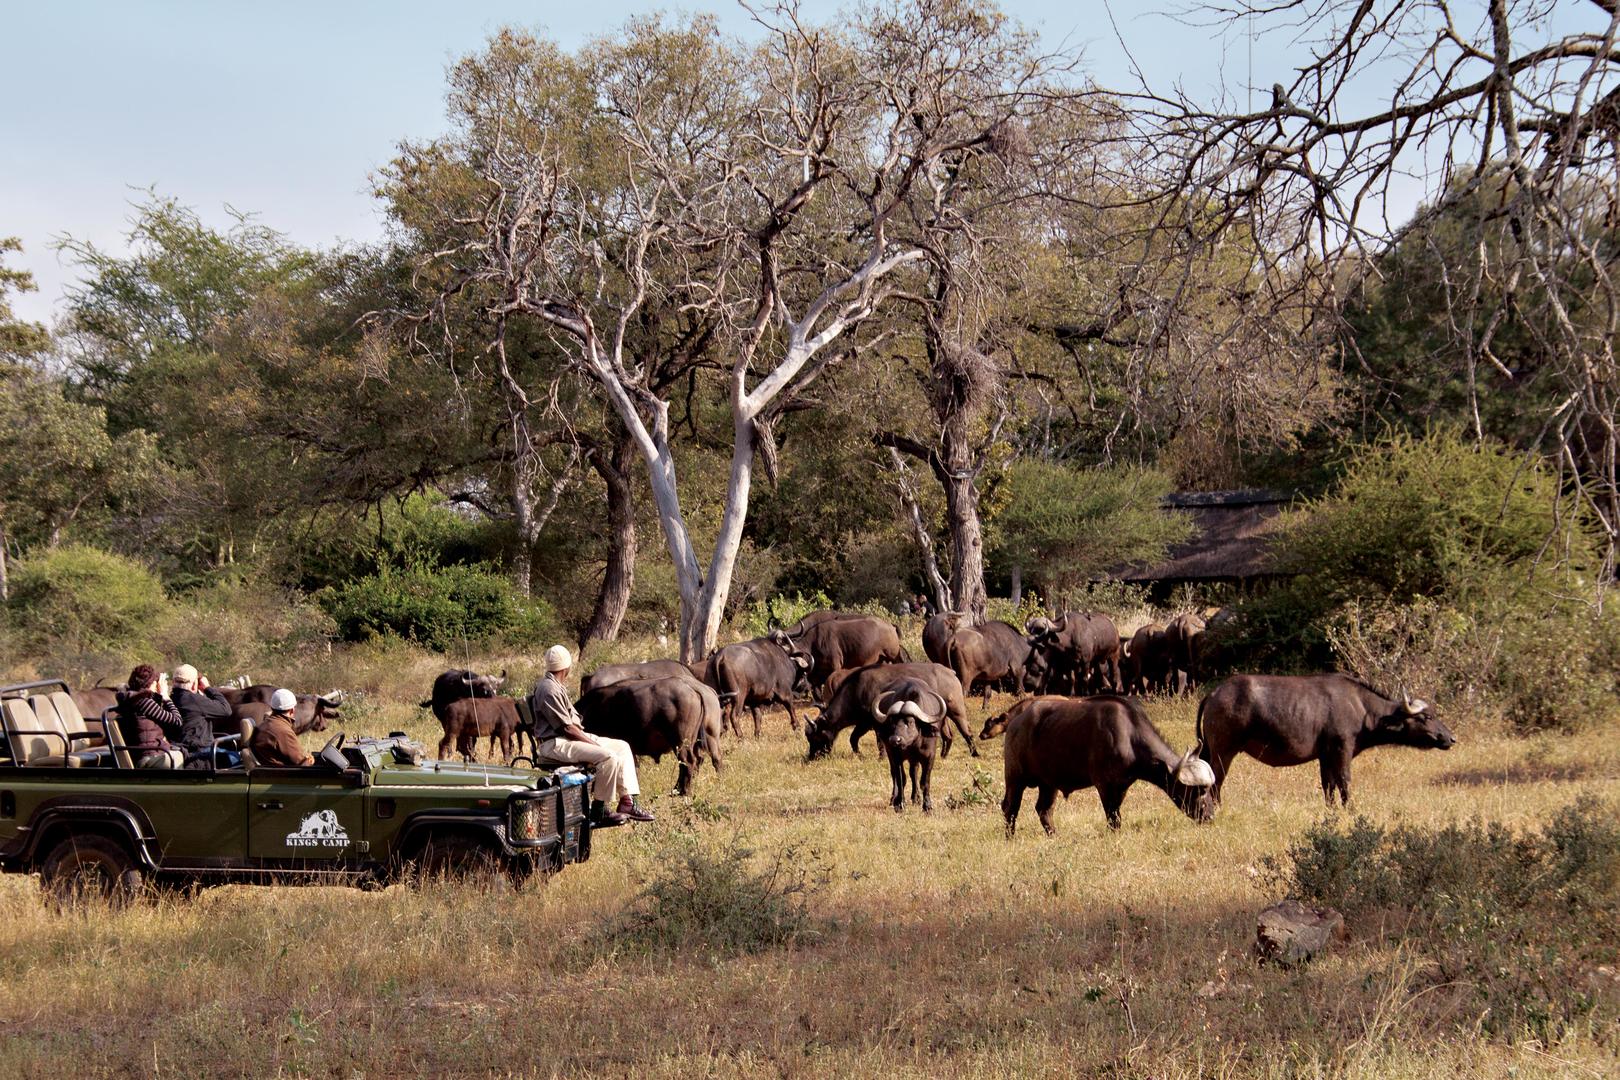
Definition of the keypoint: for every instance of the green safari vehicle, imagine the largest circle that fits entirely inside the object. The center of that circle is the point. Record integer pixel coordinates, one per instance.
(75, 809)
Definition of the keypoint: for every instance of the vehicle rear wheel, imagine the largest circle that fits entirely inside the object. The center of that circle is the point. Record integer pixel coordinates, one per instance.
(463, 857)
(85, 867)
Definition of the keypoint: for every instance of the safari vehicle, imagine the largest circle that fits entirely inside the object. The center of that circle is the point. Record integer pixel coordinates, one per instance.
(75, 809)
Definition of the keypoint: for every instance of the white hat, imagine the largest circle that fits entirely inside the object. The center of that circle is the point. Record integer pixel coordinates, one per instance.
(185, 673)
(283, 701)
(558, 658)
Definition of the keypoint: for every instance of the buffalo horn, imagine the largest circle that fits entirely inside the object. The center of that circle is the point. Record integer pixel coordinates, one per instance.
(1194, 772)
(939, 713)
(881, 707)
(1414, 706)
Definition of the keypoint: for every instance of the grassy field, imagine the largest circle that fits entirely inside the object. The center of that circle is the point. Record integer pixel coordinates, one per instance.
(936, 948)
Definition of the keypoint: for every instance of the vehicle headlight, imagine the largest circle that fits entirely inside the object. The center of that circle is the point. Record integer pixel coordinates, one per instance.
(533, 819)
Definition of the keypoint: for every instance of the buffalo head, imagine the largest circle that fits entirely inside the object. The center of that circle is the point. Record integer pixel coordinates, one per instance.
(994, 726)
(1414, 723)
(908, 716)
(820, 740)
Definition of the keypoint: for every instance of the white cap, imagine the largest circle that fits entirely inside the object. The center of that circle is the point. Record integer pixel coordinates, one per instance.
(283, 701)
(185, 673)
(558, 658)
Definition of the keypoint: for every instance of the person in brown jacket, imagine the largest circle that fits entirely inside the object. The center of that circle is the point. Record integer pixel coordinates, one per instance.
(275, 743)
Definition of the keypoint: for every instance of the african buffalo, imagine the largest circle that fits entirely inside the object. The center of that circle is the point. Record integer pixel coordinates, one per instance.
(1058, 744)
(852, 702)
(608, 674)
(937, 634)
(1183, 636)
(840, 644)
(1078, 648)
(458, 683)
(1291, 719)
(658, 716)
(978, 657)
(815, 618)
(1145, 660)
(910, 715)
(468, 719)
(749, 674)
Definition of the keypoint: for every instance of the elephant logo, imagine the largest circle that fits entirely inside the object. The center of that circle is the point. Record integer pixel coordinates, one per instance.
(320, 829)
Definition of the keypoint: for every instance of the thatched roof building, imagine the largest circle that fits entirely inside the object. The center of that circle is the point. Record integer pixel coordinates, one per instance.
(1229, 544)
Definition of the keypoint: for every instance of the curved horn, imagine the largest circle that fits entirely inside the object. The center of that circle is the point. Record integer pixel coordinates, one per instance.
(880, 707)
(1194, 772)
(944, 707)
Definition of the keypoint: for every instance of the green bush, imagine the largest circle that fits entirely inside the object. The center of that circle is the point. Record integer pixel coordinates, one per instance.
(757, 619)
(1438, 516)
(81, 610)
(718, 900)
(1520, 919)
(442, 609)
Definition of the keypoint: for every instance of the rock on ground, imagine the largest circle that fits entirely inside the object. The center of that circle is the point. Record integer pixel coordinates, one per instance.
(1290, 933)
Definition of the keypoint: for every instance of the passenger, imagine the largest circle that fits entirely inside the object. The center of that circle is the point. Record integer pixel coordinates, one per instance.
(201, 707)
(275, 743)
(148, 720)
(560, 736)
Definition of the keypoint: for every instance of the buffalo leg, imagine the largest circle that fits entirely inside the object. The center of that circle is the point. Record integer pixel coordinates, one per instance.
(444, 744)
(927, 783)
(793, 717)
(1219, 764)
(755, 710)
(1011, 802)
(1113, 797)
(1043, 808)
(897, 778)
(967, 737)
(1113, 671)
(1335, 763)
(916, 790)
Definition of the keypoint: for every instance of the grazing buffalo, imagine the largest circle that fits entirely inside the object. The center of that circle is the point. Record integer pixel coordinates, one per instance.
(749, 674)
(1058, 744)
(1145, 660)
(1079, 649)
(1291, 719)
(840, 644)
(911, 716)
(460, 683)
(1183, 636)
(311, 713)
(853, 697)
(608, 674)
(674, 714)
(468, 719)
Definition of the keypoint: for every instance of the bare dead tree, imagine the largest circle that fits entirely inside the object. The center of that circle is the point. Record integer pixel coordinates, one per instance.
(1483, 102)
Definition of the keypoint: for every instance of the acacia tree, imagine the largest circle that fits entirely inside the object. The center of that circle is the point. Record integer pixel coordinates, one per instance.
(1489, 107)
(756, 188)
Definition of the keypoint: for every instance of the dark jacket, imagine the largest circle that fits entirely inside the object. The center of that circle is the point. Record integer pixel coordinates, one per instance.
(147, 721)
(276, 746)
(199, 715)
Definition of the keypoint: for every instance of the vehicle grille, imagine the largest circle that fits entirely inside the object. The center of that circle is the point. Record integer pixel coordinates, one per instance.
(533, 819)
(574, 801)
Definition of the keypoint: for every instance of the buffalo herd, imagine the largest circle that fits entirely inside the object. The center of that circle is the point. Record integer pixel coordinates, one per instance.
(1080, 726)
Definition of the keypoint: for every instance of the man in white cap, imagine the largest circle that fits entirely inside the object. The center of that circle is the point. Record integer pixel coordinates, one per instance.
(560, 736)
(275, 743)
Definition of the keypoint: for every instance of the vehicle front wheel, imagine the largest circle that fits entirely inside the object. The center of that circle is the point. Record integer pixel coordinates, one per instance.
(83, 867)
(467, 858)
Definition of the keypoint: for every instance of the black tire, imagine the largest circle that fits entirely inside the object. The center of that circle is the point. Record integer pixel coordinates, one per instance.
(463, 857)
(86, 867)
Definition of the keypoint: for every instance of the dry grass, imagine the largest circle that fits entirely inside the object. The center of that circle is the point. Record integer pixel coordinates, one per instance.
(943, 949)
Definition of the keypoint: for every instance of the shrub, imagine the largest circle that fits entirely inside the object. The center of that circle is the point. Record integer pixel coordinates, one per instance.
(84, 610)
(720, 901)
(1521, 918)
(442, 608)
(757, 619)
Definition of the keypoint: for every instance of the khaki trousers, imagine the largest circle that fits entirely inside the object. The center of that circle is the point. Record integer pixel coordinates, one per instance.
(615, 765)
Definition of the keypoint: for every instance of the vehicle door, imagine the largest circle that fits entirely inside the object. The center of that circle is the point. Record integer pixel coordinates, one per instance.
(304, 816)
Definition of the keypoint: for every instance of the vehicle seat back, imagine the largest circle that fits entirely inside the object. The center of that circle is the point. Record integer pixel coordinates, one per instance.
(115, 739)
(20, 717)
(43, 750)
(245, 746)
(73, 720)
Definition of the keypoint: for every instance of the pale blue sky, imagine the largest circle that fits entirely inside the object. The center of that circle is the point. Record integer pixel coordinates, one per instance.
(285, 108)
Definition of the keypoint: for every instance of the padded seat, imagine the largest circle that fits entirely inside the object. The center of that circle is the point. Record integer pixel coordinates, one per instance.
(57, 712)
(245, 745)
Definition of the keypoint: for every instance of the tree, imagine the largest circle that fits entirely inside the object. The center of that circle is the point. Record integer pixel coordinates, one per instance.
(1493, 107)
(1074, 524)
(20, 340)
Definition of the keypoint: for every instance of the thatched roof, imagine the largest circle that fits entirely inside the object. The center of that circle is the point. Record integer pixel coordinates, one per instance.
(1232, 533)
